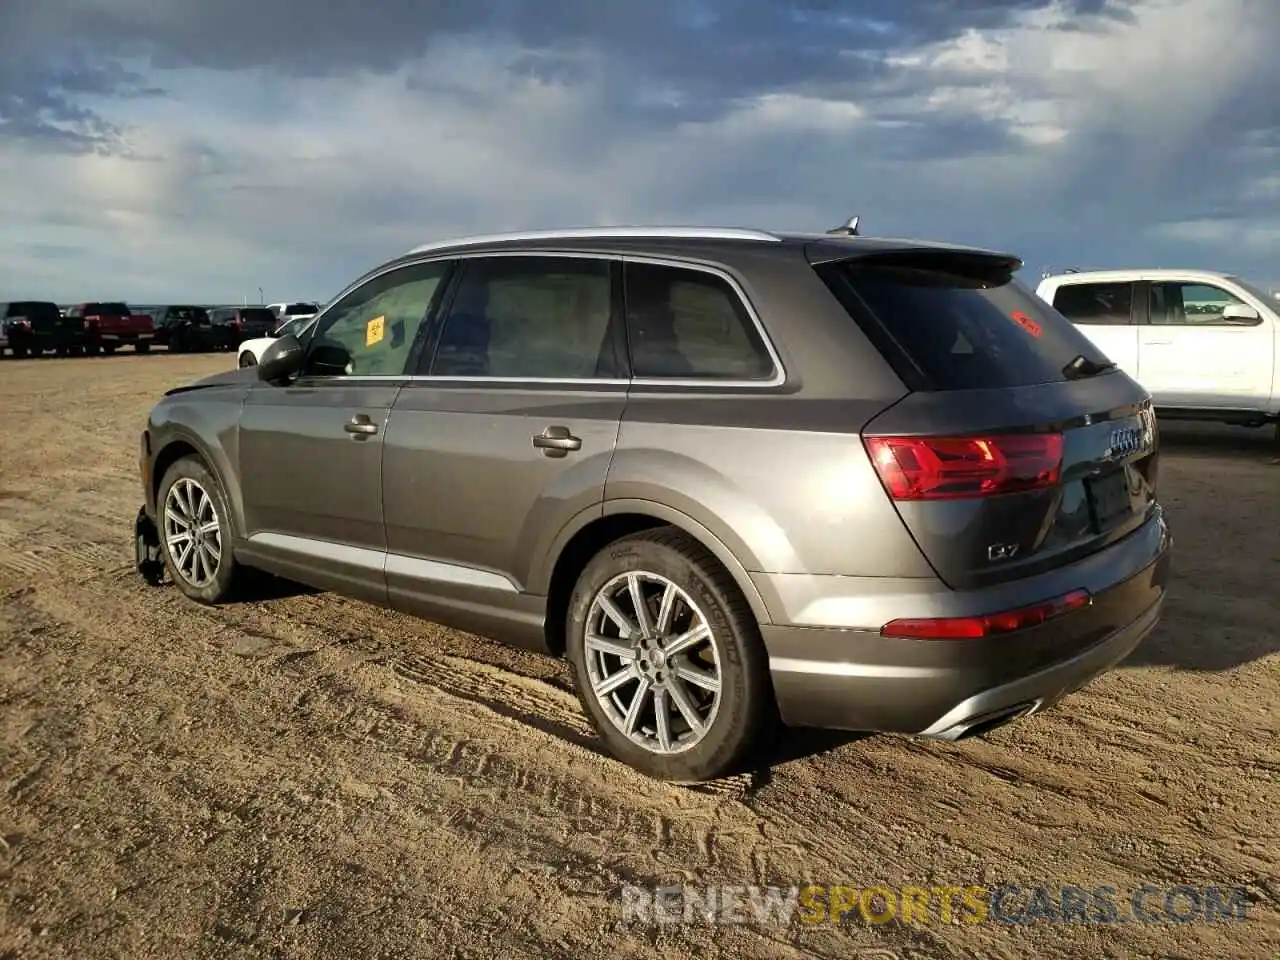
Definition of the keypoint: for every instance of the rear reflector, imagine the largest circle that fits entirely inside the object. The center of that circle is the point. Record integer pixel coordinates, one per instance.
(953, 468)
(987, 625)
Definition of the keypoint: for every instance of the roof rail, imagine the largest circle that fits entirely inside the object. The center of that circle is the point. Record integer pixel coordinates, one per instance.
(592, 233)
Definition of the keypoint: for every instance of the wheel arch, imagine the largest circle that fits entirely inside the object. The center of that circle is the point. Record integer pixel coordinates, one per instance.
(178, 443)
(593, 530)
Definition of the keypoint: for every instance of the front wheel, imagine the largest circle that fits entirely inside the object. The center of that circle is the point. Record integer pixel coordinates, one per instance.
(247, 359)
(195, 532)
(667, 658)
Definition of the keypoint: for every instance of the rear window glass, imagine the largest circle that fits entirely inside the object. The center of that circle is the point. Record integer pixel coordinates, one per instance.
(970, 329)
(299, 309)
(188, 313)
(259, 315)
(107, 310)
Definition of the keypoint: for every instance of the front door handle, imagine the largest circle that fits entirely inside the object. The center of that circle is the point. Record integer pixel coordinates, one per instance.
(556, 441)
(360, 426)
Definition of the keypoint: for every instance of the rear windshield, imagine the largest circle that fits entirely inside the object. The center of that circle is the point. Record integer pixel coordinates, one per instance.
(258, 315)
(966, 325)
(189, 313)
(299, 309)
(33, 310)
(107, 310)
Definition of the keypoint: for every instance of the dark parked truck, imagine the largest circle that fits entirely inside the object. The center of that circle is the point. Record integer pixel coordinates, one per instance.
(112, 324)
(32, 327)
(234, 325)
(183, 329)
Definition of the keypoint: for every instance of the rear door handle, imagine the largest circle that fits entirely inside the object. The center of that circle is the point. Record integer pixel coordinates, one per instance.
(556, 441)
(360, 426)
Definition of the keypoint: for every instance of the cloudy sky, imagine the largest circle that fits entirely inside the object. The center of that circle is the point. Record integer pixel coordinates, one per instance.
(200, 149)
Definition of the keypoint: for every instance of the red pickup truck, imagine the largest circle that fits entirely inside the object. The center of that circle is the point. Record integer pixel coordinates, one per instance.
(111, 325)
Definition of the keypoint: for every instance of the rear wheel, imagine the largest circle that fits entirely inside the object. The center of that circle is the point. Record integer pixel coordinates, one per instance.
(19, 352)
(195, 533)
(108, 350)
(668, 658)
(142, 348)
(247, 359)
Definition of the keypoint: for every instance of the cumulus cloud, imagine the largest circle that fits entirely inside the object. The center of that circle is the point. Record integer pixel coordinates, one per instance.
(201, 148)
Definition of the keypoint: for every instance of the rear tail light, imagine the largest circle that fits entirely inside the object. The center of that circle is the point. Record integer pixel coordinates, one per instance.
(22, 322)
(92, 321)
(953, 468)
(987, 625)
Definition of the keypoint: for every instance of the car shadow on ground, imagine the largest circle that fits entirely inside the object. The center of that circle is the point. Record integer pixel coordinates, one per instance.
(1183, 645)
(263, 587)
(1219, 440)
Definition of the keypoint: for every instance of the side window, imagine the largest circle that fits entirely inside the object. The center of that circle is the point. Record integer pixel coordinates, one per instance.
(690, 324)
(371, 331)
(1190, 304)
(530, 317)
(1100, 304)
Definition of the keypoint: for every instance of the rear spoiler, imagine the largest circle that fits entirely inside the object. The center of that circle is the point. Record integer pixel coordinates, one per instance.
(985, 265)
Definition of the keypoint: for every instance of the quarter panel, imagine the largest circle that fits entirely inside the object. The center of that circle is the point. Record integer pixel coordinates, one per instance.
(783, 482)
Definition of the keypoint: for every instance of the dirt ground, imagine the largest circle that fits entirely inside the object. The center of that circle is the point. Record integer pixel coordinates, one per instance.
(307, 776)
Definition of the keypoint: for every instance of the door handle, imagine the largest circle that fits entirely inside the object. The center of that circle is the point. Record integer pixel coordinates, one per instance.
(1157, 343)
(360, 426)
(556, 441)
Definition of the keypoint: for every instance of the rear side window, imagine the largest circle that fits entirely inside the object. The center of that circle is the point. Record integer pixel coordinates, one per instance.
(1100, 304)
(957, 326)
(690, 324)
(530, 318)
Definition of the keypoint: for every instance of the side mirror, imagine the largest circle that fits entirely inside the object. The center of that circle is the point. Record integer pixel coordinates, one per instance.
(281, 360)
(1240, 313)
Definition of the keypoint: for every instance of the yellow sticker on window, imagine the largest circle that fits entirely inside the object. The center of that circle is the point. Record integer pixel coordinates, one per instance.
(375, 330)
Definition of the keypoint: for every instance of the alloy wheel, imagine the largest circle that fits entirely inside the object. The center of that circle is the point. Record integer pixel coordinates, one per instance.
(192, 532)
(651, 662)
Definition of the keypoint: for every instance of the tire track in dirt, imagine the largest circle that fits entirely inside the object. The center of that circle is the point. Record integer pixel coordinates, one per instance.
(601, 824)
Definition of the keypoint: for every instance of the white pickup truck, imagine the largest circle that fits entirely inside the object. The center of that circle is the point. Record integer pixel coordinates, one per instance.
(1205, 345)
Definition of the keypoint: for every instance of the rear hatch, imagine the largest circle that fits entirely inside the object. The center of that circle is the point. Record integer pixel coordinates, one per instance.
(116, 317)
(193, 316)
(257, 322)
(41, 318)
(1020, 447)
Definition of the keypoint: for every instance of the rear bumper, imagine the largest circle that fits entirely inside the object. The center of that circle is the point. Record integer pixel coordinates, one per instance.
(855, 679)
(126, 337)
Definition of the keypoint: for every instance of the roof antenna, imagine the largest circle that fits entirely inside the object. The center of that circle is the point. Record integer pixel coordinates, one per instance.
(848, 229)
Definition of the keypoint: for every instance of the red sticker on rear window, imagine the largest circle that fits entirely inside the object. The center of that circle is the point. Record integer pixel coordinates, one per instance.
(1025, 322)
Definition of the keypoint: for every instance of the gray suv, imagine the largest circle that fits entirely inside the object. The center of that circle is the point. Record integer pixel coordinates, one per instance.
(734, 476)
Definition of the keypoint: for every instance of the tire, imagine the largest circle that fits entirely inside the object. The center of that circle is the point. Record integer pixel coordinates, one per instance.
(737, 716)
(142, 348)
(108, 350)
(247, 359)
(196, 488)
(19, 352)
(91, 349)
